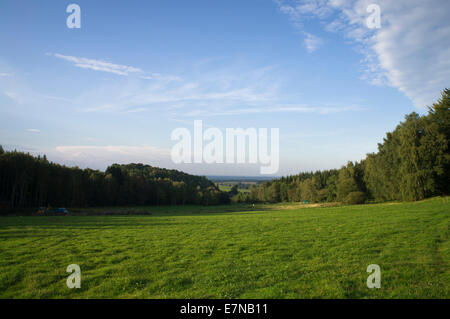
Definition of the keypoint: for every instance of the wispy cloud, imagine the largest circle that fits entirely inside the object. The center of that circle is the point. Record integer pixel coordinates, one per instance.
(106, 155)
(298, 12)
(206, 90)
(410, 51)
(158, 76)
(14, 96)
(312, 42)
(56, 98)
(226, 92)
(33, 130)
(99, 65)
(277, 109)
(6, 74)
(25, 95)
(119, 69)
(300, 9)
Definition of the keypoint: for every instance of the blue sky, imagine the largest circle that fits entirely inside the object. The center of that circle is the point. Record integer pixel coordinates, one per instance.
(113, 90)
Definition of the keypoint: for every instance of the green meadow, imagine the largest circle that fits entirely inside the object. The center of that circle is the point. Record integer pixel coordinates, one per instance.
(234, 251)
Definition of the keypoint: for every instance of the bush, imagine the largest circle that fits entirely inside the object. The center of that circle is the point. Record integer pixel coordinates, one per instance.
(355, 198)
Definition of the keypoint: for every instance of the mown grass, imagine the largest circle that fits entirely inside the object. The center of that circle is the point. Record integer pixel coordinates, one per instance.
(274, 251)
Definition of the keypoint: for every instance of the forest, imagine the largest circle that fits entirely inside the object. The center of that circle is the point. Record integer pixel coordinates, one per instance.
(28, 181)
(412, 163)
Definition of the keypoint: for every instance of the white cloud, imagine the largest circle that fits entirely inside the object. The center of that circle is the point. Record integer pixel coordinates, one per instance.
(104, 66)
(157, 76)
(6, 74)
(150, 151)
(14, 96)
(99, 65)
(298, 11)
(410, 51)
(305, 8)
(106, 155)
(33, 130)
(312, 42)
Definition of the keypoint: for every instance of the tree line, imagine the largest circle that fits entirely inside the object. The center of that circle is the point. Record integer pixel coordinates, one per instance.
(412, 163)
(30, 181)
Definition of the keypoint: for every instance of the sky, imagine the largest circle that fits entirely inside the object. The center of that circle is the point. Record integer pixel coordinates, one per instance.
(114, 90)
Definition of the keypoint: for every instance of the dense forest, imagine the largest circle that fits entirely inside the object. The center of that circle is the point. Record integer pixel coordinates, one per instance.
(412, 163)
(28, 181)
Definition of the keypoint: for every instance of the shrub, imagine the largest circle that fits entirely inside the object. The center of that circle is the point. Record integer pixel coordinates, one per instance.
(355, 198)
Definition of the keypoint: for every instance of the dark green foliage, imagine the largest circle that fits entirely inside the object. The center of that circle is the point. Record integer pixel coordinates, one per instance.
(234, 190)
(346, 182)
(413, 162)
(27, 181)
(241, 198)
(319, 186)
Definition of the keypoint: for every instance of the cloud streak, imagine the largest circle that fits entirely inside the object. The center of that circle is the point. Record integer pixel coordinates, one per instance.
(117, 152)
(119, 69)
(102, 156)
(33, 130)
(99, 65)
(277, 109)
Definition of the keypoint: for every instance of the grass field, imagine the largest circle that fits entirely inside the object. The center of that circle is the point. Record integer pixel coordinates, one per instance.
(273, 251)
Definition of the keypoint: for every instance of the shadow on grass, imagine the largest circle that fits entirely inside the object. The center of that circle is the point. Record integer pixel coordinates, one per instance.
(141, 216)
(120, 217)
(162, 211)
